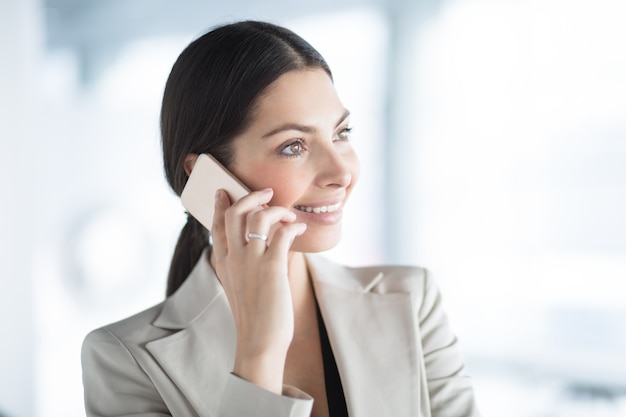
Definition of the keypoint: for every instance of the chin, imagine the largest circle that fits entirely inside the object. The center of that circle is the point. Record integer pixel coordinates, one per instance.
(312, 241)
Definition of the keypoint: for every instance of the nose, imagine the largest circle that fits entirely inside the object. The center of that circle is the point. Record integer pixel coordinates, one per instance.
(335, 168)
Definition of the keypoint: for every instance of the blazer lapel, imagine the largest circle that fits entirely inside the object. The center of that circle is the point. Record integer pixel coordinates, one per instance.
(373, 335)
(198, 357)
(374, 339)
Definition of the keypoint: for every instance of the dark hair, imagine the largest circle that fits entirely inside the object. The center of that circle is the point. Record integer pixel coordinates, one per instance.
(209, 99)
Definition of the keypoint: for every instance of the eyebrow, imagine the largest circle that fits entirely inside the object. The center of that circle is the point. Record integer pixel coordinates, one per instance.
(302, 128)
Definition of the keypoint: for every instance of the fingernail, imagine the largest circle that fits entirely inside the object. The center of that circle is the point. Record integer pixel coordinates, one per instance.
(302, 229)
(268, 190)
(218, 194)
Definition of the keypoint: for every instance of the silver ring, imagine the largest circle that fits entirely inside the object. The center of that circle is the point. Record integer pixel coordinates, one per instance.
(257, 236)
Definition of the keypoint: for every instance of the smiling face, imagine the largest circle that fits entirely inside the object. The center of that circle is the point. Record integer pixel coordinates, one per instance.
(298, 145)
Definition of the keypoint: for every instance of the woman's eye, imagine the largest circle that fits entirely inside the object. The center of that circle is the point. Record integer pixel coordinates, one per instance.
(344, 134)
(294, 148)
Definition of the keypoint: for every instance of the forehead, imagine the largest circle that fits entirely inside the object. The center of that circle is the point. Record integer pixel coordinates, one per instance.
(303, 96)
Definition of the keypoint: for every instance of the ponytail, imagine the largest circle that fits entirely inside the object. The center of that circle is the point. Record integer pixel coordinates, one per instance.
(192, 240)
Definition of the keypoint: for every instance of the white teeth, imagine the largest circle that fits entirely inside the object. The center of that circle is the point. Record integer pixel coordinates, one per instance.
(321, 209)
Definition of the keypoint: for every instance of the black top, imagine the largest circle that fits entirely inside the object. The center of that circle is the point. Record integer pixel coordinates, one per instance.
(334, 390)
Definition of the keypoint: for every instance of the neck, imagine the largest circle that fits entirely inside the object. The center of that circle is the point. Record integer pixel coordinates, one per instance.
(298, 272)
(299, 280)
(303, 297)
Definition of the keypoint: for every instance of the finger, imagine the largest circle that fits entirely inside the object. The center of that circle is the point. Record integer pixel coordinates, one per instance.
(218, 229)
(235, 219)
(261, 220)
(259, 224)
(283, 238)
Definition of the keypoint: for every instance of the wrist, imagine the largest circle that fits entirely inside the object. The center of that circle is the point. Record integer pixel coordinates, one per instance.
(263, 369)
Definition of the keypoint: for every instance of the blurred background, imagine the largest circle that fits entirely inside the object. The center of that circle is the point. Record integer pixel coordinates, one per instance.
(492, 135)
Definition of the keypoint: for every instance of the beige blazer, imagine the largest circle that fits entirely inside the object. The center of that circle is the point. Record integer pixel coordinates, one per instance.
(395, 353)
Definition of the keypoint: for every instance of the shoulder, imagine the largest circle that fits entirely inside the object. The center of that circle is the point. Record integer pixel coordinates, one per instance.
(117, 352)
(394, 278)
(114, 362)
(373, 278)
(387, 281)
(132, 331)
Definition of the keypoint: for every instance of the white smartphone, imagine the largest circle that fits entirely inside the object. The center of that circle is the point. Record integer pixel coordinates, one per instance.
(207, 176)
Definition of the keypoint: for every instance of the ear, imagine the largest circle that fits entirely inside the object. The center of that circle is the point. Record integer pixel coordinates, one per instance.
(190, 161)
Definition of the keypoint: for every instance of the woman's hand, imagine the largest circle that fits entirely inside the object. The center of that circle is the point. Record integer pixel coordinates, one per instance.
(254, 275)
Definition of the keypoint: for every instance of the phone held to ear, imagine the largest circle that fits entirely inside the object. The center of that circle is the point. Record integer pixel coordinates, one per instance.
(207, 176)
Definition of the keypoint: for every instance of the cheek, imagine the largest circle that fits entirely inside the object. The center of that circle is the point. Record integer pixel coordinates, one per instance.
(355, 167)
(287, 191)
(287, 188)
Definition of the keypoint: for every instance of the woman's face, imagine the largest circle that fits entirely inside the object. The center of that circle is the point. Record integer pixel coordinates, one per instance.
(298, 145)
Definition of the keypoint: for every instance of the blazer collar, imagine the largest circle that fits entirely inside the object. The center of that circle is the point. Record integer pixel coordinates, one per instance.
(194, 296)
(201, 288)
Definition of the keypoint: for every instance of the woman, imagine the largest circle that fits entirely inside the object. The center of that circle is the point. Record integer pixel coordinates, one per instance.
(252, 326)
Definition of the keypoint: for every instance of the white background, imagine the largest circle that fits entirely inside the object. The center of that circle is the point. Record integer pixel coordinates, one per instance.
(515, 197)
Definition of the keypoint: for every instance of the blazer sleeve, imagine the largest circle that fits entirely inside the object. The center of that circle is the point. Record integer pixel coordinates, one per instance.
(242, 398)
(449, 388)
(114, 384)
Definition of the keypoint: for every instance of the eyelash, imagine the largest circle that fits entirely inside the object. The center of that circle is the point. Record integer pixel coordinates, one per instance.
(347, 132)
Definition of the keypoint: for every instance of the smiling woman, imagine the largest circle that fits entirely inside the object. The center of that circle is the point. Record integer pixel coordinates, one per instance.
(254, 322)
